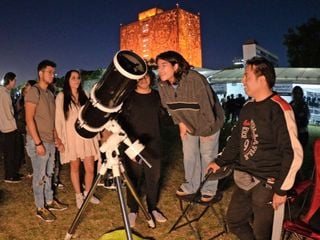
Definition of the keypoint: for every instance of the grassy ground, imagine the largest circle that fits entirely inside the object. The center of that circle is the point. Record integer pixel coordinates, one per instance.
(18, 219)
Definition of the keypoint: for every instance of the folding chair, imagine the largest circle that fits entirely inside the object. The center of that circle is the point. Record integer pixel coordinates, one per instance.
(299, 227)
(188, 202)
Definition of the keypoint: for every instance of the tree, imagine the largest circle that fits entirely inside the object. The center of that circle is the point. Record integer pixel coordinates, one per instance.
(303, 44)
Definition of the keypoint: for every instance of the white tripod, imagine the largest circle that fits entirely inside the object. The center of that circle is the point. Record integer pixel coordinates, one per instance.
(110, 147)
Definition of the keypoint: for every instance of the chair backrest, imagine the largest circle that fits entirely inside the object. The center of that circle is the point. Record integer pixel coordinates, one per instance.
(315, 200)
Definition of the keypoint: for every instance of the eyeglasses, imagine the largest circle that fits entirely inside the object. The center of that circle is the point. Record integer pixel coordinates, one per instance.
(52, 73)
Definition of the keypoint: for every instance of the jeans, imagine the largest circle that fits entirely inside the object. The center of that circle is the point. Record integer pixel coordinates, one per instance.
(198, 152)
(43, 167)
(249, 216)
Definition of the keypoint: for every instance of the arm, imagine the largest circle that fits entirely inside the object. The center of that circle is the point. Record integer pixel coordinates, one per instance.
(59, 124)
(32, 127)
(290, 148)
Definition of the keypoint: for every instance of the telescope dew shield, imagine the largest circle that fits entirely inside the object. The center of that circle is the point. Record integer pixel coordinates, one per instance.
(109, 93)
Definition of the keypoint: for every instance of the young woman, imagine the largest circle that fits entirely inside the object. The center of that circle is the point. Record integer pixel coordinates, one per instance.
(140, 119)
(73, 148)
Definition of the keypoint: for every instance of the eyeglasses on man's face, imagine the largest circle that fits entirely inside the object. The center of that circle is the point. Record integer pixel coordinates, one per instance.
(50, 72)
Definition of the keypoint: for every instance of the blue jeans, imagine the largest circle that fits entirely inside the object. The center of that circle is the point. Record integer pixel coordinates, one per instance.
(198, 152)
(42, 172)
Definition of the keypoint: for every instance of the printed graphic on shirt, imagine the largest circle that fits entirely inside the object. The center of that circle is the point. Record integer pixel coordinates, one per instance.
(250, 138)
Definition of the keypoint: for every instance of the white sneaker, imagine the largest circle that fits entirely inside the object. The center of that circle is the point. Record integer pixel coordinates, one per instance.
(79, 200)
(132, 219)
(93, 199)
(158, 216)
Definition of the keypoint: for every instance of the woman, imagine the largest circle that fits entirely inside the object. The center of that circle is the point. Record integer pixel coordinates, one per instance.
(140, 119)
(301, 114)
(73, 148)
(190, 101)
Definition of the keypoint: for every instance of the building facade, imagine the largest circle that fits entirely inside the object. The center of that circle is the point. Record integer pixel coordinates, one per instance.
(251, 49)
(157, 31)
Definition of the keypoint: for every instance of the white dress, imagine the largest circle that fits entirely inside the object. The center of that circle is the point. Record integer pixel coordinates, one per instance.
(75, 146)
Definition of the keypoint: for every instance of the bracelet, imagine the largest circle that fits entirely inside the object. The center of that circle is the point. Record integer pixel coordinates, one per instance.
(40, 143)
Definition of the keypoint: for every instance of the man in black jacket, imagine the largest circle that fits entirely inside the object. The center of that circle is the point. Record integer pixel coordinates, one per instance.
(266, 152)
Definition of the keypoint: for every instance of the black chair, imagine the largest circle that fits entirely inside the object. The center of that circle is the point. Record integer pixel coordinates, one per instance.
(187, 203)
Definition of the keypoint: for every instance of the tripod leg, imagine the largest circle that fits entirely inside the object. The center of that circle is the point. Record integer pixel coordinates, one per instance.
(75, 222)
(134, 194)
(123, 208)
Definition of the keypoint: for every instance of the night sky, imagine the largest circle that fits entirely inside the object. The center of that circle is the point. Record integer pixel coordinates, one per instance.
(84, 34)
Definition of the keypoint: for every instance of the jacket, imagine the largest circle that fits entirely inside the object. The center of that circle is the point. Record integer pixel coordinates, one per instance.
(191, 102)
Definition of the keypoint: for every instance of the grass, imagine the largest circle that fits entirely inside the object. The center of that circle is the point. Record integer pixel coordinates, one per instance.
(19, 222)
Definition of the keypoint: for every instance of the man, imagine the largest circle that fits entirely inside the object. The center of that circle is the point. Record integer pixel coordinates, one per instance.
(266, 151)
(41, 140)
(8, 128)
(190, 101)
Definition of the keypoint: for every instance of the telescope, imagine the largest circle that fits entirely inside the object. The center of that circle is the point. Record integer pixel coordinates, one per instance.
(107, 95)
(99, 113)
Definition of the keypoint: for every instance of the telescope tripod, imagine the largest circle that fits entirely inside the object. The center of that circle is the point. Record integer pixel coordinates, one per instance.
(118, 171)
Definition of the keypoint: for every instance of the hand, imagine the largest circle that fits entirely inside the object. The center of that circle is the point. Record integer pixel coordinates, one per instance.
(213, 167)
(57, 142)
(277, 200)
(183, 130)
(41, 150)
(61, 148)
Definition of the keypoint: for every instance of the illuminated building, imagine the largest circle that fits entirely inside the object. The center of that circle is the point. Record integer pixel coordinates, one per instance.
(157, 31)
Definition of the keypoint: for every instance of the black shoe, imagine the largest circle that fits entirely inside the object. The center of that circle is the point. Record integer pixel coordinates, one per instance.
(16, 179)
(109, 184)
(20, 175)
(59, 185)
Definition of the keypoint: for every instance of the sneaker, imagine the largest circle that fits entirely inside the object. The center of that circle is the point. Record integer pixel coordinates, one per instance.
(109, 184)
(45, 215)
(16, 179)
(59, 185)
(55, 205)
(158, 216)
(79, 200)
(93, 199)
(20, 175)
(132, 219)
(182, 193)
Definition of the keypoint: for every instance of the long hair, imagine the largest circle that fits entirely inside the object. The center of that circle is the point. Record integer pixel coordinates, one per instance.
(173, 58)
(67, 101)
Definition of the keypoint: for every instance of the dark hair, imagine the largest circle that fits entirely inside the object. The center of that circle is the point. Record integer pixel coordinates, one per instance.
(152, 76)
(263, 68)
(68, 94)
(173, 58)
(31, 82)
(9, 76)
(45, 63)
(297, 93)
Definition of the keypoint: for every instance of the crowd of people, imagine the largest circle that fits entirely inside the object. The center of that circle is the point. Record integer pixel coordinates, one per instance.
(264, 147)
(232, 106)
